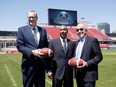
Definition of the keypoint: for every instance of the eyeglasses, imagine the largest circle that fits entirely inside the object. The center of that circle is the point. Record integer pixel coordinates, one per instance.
(81, 29)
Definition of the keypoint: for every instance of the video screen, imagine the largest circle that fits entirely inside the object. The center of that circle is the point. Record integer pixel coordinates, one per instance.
(62, 17)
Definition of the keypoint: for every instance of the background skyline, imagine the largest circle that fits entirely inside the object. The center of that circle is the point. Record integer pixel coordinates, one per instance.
(14, 13)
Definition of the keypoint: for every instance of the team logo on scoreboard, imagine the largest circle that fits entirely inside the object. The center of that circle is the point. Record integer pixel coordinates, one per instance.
(63, 15)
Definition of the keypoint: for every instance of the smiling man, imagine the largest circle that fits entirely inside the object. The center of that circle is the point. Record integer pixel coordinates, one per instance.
(30, 39)
(88, 49)
(63, 49)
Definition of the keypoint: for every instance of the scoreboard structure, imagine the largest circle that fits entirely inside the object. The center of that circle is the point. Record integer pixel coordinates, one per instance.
(62, 17)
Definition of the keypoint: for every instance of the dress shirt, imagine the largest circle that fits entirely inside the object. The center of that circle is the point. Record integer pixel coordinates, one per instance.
(80, 47)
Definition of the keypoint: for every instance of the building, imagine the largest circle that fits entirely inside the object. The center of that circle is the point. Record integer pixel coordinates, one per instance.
(8, 41)
(104, 27)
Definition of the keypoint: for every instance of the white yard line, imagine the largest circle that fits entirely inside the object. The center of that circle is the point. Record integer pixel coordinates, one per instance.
(11, 77)
(15, 60)
(20, 64)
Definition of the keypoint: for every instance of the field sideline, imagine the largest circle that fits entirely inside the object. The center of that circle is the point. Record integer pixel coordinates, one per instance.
(10, 70)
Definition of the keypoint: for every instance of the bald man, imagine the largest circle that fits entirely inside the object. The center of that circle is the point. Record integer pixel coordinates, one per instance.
(88, 49)
(63, 50)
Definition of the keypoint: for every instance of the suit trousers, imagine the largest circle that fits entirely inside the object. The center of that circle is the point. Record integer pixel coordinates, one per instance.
(34, 76)
(65, 82)
(81, 83)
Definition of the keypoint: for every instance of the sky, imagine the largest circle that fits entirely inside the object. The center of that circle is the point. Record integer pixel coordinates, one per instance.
(13, 13)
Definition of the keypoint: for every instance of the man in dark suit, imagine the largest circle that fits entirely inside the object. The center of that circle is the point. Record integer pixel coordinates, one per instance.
(88, 49)
(63, 50)
(30, 39)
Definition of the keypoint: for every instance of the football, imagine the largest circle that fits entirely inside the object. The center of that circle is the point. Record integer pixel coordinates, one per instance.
(47, 52)
(74, 62)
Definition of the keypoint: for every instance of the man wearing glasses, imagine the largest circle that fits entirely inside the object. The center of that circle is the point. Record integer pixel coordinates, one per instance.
(88, 49)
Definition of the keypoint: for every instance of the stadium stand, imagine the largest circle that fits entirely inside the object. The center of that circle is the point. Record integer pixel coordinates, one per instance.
(93, 32)
(8, 38)
(98, 34)
(52, 32)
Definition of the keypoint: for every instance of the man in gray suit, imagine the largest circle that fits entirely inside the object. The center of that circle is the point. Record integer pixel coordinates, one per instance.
(30, 39)
(63, 50)
(88, 49)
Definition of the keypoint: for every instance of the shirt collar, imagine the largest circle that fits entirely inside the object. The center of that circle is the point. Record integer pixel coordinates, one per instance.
(62, 39)
(83, 39)
(33, 27)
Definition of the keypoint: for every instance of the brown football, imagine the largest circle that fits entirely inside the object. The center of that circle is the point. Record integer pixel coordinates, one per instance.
(47, 52)
(73, 62)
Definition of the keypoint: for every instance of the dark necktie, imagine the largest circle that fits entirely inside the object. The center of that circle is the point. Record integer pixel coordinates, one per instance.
(64, 45)
(35, 35)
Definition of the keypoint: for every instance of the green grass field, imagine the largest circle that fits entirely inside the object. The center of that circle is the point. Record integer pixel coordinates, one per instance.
(10, 70)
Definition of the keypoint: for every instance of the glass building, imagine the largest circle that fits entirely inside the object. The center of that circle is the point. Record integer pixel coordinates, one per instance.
(104, 27)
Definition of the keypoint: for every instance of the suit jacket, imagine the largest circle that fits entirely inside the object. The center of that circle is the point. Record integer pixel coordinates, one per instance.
(91, 53)
(26, 43)
(60, 60)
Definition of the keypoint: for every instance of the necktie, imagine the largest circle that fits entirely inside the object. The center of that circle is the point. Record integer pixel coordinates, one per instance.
(35, 35)
(64, 45)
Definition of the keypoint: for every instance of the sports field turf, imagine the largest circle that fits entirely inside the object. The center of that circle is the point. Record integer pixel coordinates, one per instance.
(10, 70)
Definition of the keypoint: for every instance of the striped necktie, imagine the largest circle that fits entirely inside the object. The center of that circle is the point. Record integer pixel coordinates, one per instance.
(35, 35)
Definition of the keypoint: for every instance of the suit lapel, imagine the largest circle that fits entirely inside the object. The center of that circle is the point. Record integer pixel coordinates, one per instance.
(29, 31)
(76, 47)
(76, 44)
(60, 44)
(85, 44)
